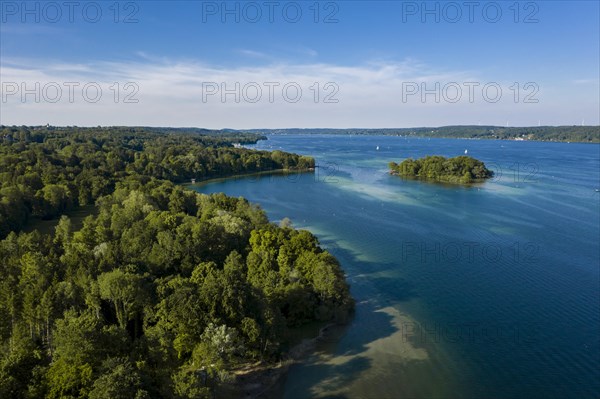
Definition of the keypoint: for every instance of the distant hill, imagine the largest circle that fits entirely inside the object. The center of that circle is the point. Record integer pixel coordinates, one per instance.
(575, 134)
(580, 134)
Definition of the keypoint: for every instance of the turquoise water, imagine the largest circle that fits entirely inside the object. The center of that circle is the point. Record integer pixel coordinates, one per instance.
(462, 292)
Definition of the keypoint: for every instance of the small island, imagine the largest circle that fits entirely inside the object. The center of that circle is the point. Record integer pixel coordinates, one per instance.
(461, 169)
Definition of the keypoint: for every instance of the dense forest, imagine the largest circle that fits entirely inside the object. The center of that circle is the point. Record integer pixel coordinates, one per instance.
(581, 134)
(162, 291)
(45, 172)
(461, 169)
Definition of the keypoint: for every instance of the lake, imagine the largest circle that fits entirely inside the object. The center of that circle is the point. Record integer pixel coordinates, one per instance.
(489, 291)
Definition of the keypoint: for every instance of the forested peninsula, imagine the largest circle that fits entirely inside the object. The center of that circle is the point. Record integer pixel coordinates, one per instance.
(461, 169)
(47, 171)
(162, 291)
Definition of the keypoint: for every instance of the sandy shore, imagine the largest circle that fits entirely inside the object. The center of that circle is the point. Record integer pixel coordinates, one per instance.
(265, 380)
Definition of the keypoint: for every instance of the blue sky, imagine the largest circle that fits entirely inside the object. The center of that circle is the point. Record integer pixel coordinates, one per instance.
(177, 58)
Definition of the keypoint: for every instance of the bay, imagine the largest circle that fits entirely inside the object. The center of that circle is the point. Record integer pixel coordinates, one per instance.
(490, 290)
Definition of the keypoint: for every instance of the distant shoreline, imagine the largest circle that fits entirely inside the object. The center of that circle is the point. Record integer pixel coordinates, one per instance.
(552, 134)
(428, 137)
(434, 137)
(555, 134)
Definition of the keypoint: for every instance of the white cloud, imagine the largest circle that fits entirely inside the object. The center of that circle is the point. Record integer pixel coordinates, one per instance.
(309, 52)
(175, 94)
(252, 53)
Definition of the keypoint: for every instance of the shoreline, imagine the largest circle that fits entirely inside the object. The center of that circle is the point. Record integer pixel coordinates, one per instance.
(473, 183)
(267, 379)
(264, 379)
(200, 183)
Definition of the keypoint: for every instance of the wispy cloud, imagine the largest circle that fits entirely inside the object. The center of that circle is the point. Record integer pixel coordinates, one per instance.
(309, 52)
(300, 52)
(252, 53)
(175, 93)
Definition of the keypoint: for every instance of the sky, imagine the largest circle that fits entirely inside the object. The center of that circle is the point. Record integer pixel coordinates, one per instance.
(307, 64)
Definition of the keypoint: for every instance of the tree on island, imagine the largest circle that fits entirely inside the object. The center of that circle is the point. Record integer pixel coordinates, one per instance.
(461, 169)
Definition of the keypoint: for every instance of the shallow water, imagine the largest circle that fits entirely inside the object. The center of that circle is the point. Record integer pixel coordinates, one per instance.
(484, 291)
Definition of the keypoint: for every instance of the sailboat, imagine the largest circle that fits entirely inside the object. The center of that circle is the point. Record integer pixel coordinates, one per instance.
(466, 152)
(377, 148)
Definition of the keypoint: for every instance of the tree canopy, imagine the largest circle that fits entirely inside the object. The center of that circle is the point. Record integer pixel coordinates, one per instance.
(46, 171)
(161, 291)
(152, 298)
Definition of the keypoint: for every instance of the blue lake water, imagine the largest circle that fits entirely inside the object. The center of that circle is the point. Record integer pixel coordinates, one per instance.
(462, 292)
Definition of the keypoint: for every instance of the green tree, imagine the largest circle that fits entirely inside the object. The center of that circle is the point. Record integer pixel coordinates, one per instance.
(119, 380)
(126, 292)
